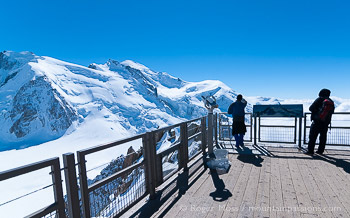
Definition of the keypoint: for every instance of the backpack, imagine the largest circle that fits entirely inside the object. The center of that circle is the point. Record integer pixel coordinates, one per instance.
(326, 111)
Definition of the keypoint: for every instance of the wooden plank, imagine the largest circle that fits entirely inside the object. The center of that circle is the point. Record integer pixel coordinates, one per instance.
(333, 178)
(178, 200)
(341, 159)
(330, 197)
(230, 181)
(190, 204)
(290, 202)
(316, 196)
(290, 179)
(303, 197)
(233, 205)
(276, 198)
(201, 202)
(263, 194)
(247, 206)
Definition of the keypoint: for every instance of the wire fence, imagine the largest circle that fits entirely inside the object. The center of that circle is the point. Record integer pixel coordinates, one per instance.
(115, 196)
(338, 133)
(170, 163)
(225, 127)
(194, 138)
(15, 177)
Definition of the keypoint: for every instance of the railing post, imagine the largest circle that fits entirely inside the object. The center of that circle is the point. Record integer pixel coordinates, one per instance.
(204, 135)
(83, 185)
(183, 149)
(295, 129)
(70, 175)
(57, 187)
(216, 128)
(251, 127)
(159, 167)
(210, 133)
(304, 128)
(300, 127)
(149, 156)
(255, 129)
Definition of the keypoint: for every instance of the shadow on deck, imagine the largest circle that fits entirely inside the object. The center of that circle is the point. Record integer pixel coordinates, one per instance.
(262, 182)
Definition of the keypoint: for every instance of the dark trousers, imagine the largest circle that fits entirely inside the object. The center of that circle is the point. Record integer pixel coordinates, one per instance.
(318, 128)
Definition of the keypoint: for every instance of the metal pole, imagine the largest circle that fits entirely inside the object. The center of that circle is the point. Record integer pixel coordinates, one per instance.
(159, 164)
(216, 128)
(295, 130)
(210, 132)
(255, 129)
(204, 135)
(70, 175)
(300, 127)
(183, 150)
(57, 187)
(304, 128)
(83, 185)
(150, 174)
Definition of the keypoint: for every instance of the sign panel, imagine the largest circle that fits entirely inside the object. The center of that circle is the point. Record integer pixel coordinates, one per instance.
(281, 110)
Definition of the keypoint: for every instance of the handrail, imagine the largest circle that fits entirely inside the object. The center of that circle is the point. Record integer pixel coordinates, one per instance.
(170, 149)
(54, 163)
(109, 145)
(113, 176)
(8, 174)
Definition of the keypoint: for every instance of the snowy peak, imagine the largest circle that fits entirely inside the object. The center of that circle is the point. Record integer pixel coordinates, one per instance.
(45, 99)
(11, 63)
(10, 59)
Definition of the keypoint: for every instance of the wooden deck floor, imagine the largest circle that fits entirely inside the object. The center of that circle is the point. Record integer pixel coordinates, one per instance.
(287, 183)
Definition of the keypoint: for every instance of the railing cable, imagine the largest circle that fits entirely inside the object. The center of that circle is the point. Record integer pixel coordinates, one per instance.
(22, 196)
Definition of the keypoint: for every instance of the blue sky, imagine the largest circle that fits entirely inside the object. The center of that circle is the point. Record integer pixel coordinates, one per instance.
(285, 49)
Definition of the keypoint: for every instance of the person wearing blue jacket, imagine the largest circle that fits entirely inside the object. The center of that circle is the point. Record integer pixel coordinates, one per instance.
(238, 125)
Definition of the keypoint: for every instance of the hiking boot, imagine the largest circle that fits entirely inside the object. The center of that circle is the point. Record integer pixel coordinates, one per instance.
(309, 153)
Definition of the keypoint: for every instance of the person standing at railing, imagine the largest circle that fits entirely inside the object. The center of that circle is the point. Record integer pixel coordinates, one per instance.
(321, 114)
(238, 125)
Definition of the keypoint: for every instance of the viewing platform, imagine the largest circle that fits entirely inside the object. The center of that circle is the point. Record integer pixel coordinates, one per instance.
(262, 182)
(168, 176)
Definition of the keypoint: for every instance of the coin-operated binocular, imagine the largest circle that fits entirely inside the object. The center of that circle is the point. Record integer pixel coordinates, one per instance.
(210, 104)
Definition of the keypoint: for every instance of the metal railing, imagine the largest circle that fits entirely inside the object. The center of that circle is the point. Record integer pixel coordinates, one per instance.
(275, 130)
(56, 209)
(116, 189)
(111, 194)
(116, 193)
(120, 187)
(225, 127)
(191, 136)
(339, 132)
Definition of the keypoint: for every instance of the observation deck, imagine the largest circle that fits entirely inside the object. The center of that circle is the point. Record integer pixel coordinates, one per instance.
(168, 177)
(262, 182)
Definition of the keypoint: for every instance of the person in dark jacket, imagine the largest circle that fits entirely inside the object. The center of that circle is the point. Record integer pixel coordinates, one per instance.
(238, 125)
(320, 126)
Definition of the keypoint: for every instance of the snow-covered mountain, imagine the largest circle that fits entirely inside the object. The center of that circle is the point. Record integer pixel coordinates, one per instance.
(43, 99)
(64, 107)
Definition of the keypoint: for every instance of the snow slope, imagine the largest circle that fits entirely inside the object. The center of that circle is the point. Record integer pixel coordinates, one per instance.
(49, 107)
(43, 99)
